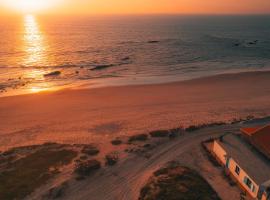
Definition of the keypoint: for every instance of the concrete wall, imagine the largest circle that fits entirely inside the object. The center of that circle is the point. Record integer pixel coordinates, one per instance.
(240, 178)
(264, 197)
(221, 154)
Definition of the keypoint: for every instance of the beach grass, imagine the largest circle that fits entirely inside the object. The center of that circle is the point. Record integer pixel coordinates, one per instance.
(138, 138)
(159, 133)
(28, 173)
(177, 182)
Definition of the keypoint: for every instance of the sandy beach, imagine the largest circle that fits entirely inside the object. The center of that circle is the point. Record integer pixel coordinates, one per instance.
(98, 115)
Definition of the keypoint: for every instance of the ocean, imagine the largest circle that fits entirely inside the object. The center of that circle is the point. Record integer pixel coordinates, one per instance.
(45, 53)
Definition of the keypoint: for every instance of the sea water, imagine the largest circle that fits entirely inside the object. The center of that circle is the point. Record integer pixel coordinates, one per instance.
(41, 53)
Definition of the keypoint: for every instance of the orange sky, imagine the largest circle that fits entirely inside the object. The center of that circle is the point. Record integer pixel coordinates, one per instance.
(179, 6)
(154, 6)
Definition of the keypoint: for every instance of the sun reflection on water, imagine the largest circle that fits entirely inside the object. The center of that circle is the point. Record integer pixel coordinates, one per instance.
(37, 89)
(35, 55)
(34, 42)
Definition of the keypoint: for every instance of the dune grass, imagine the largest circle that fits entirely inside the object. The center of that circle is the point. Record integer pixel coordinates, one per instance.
(26, 174)
(160, 133)
(176, 182)
(138, 138)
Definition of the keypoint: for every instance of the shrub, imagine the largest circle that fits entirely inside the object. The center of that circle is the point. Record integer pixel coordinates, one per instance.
(90, 150)
(83, 157)
(139, 137)
(85, 168)
(159, 133)
(192, 128)
(147, 146)
(200, 126)
(116, 142)
(57, 192)
(111, 159)
(176, 182)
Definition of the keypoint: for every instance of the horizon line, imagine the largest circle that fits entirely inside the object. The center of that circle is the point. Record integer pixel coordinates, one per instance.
(137, 14)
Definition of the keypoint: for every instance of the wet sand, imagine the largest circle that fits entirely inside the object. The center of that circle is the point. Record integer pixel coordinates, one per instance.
(98, 115)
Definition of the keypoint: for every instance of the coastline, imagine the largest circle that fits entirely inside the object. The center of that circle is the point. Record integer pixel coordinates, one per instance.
(110, 82)
(134, 107)
(88, 115)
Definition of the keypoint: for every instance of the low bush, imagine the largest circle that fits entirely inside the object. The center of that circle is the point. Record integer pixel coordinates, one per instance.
(111, 159)
(139, 137)
(90, 150)
(176, 182)
(116, 142)
(200, 126)
(85, 168)
(159, 133)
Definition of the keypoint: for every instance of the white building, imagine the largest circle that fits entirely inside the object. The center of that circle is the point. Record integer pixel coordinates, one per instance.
(250, 168)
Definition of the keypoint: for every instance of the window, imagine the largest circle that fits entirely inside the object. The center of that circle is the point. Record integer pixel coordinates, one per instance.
(237, 170)
(248, 182)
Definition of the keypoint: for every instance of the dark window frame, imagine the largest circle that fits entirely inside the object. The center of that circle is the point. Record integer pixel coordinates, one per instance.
(249, 183)
(237, 170)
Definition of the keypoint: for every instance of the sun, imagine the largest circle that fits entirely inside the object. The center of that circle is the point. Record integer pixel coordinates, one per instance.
(29, 6)
(32, 5)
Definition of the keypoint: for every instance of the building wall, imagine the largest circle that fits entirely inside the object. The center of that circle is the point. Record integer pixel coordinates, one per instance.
(222, 155)
(264, 197)
(240, 178)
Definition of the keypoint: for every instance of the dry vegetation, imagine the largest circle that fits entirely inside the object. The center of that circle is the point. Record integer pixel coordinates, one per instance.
(116, 142)
(90, 150)
(111, 159)
(30, 167)
(159, 133)
(175, 182)
(138, 137)
(85, 168)
(24, 169)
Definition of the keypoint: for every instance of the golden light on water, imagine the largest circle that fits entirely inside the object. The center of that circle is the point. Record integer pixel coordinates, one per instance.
(35, 55)
(34, 42)
(38, 89)
(43, 87)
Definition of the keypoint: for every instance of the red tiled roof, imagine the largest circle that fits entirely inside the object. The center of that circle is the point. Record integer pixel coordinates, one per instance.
(260, 138)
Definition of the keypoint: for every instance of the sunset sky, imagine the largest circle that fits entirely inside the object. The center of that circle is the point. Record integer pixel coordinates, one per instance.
(136, 6)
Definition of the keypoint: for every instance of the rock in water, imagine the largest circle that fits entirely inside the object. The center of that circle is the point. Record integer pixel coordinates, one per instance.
(153, 41)
(55, 73)
(100, 67)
